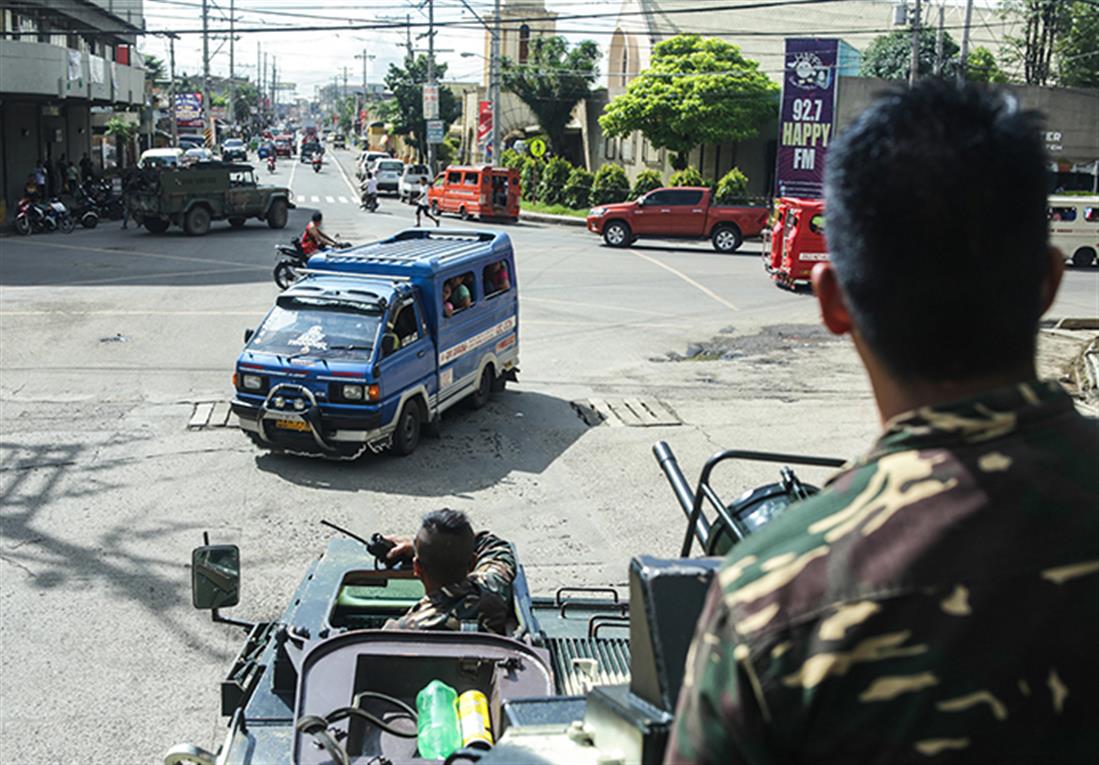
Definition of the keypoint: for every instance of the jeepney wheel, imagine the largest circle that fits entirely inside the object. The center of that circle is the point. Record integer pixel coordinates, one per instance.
(237, 222)
(279, 212)
(197, 221)
(481, 396)
(617, 234)
(407, 435)
(726, 239)
(155, 225)
(1083, 257)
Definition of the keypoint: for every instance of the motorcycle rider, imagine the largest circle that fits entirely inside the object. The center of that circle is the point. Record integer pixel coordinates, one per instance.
(314, 239)
(370, 193)
(271, 161)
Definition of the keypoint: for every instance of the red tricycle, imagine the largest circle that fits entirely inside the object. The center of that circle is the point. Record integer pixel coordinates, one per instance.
(794, 242)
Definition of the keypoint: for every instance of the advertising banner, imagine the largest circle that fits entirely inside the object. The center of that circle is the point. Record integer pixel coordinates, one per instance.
(806, 119)
(434, 131)
(431, 101)
(189, 110)
(484, 128)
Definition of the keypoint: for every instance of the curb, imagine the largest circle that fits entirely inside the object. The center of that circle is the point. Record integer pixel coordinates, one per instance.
(566, 220)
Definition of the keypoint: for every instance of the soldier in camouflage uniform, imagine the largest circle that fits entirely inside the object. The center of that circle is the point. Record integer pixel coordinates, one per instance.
(467, 576)
(939, 600)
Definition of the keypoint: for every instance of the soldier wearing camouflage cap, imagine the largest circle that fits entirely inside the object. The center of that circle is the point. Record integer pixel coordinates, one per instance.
(467, 577)
(938, 601)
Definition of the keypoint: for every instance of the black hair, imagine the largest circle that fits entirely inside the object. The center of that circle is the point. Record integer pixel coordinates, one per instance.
(936, 226)
(317, 217)
(444, 546)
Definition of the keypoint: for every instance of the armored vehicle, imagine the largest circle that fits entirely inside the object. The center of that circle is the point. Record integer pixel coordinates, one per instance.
(193, 197)
(581, 677)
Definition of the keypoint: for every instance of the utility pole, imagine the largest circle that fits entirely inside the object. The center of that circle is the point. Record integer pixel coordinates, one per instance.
(207, 113)
(963, 64)
(914, 66)
(494, 82)
(939, 43)
(275, 87)
(172, 88)
(259, 85)
(431, 76)
(232, 69)
(408, 39)
(359, 105)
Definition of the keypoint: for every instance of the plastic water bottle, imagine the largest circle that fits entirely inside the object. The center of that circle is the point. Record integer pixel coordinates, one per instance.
(437, 731)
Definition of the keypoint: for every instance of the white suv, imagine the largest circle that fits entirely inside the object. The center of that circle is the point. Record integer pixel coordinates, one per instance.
(366, 159)
(388, 173)
(409, 186)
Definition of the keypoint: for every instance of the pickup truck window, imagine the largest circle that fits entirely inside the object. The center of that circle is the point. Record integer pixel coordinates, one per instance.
(684, 197)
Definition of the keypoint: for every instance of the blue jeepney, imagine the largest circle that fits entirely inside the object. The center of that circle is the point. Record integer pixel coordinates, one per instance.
(378, 341)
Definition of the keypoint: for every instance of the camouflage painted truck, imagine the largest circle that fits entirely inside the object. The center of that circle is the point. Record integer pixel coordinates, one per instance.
(192, 197)
(582, 677)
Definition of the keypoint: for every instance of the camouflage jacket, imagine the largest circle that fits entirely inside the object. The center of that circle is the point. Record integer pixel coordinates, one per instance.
(483, 597)
(938, 602)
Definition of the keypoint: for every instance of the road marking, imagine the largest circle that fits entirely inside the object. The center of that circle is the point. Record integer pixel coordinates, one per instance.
(173, 274)
(330, 200)
(293, 169)
(350, 185)
(314, 199)
(136, 253)
(343, 200)
(701, 287)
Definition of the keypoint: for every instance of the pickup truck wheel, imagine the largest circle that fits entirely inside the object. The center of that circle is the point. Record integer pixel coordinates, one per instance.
(726, 239)
(1083, 257)
(617, 234)
(407, 435)
(481, 396)
(197, 221)
(155, 225)
(237, 222)
(277, 215)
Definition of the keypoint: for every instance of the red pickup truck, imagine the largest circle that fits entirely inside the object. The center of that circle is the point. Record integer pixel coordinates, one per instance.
(681, 212)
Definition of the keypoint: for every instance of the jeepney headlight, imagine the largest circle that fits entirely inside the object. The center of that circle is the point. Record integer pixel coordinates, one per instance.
(252, 382)
(598, 211)
(353, 392)
(299, 404)
(279, 402)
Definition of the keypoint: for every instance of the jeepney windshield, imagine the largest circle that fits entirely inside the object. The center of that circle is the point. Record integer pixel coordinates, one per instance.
(324, 330)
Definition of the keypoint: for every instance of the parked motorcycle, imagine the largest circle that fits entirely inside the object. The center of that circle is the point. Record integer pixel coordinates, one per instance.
(42, 218)
(293, 262)
(84, 209)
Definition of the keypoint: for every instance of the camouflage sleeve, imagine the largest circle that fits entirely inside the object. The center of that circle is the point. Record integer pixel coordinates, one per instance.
(719, 719)
(494, 570)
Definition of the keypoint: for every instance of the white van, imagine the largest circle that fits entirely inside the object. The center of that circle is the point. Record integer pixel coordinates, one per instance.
(1074, 227)
(172, 157)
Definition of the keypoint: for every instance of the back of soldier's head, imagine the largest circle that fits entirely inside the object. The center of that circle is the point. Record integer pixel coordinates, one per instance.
(936, 227)
(444, 546)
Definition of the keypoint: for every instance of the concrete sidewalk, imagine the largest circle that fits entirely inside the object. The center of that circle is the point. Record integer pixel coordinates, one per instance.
(566, 220)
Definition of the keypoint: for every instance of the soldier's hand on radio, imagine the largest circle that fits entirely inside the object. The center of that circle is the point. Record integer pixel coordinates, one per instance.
(402, 550)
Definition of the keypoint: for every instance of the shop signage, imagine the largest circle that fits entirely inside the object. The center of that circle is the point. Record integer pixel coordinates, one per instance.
(431, 101)
(434, 131)
(189, 110)
(806, 121)
(484, 128)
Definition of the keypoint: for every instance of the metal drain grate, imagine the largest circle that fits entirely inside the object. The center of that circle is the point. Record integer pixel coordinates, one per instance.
(631, 412)
(210, 414)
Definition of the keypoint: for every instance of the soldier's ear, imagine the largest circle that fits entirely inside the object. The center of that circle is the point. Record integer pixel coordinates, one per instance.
(1052, 282)
(833, 308)
(416, 566)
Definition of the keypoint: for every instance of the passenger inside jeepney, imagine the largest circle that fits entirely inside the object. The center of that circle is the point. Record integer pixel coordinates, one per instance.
(467, 576)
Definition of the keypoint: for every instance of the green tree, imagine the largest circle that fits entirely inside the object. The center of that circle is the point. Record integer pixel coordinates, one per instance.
(698, 90)
(244, 101)
(1042, 23)
(982, 67)
(407, 84)
(890, 56)
(551, 189)
(646, 181)
(529, 178)
(552, 81)
(123, 134)
(1078, 47)
(154, 68)
(511, 159)
(610, 185)
(688, 176)
(732, 188)
(578, 188)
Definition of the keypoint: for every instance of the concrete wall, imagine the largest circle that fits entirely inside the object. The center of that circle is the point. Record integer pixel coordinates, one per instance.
(41, 69)
(19, 130)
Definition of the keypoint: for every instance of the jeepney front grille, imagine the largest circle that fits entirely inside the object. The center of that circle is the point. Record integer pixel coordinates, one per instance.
(582, 663)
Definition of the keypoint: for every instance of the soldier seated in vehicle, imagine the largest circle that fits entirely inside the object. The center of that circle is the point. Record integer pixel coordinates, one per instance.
(467, 577)
(938, 600)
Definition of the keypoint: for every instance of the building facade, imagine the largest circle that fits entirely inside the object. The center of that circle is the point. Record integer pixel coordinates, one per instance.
(64, 69)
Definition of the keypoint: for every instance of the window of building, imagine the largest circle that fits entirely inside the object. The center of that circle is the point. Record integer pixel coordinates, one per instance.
(457, 294)
(524, 43)
(628, 144)
(496, 278)
(1066, 214)
(608, 148)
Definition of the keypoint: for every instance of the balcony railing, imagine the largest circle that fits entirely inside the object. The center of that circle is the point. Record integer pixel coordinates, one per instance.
(41, 69)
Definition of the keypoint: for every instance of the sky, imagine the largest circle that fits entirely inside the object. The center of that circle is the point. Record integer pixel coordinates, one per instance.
(312, 58)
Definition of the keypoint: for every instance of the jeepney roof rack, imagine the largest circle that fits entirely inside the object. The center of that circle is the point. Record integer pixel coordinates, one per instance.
(353, 275)
(417, 246)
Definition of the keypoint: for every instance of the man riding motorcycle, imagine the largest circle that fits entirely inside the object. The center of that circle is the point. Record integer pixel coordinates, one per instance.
(370, 193)
(314, 239)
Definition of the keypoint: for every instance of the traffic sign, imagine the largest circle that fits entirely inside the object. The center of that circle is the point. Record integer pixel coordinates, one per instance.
(434, 131)
(537, 148)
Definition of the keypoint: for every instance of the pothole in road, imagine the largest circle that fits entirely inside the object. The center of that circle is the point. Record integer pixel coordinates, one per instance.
(766, 346)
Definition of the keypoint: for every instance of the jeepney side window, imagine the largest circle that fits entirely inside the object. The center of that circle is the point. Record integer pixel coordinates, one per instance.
(455, 178)
(458, 294)
(1065, 214)
(816, 224)
(470, 179)
(1091, 214)
(496, 278)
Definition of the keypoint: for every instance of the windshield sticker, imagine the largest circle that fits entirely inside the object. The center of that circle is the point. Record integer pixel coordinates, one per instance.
(311, 339)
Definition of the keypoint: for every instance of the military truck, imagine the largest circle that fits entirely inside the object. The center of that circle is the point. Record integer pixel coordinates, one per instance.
(192, 197)
(580, 678)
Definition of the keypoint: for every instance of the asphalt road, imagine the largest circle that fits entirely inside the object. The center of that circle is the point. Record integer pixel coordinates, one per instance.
(110, 338)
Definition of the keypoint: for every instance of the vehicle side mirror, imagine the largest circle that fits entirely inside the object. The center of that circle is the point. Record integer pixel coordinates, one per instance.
(641, 201)
(248, 334)
(215, 576)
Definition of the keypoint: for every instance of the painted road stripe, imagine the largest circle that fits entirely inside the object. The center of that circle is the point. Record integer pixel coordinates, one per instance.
(702, 288)
(314, 198)
(330, 200)
(343, 200)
